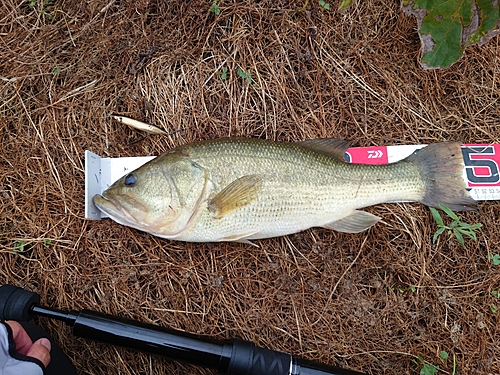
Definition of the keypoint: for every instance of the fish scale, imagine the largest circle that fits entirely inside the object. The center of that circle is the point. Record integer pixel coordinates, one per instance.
(238, 189)
(304, 198)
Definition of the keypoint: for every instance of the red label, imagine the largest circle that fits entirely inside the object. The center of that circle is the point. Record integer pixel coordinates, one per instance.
(367, 155)
(481, 164)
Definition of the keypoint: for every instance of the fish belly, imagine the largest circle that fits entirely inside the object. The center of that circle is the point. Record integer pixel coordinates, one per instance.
(280, 211)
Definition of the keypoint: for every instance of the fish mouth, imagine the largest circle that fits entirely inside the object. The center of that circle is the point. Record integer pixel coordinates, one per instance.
(114, 210)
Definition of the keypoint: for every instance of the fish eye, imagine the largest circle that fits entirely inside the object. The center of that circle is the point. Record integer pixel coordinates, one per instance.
(130, 179)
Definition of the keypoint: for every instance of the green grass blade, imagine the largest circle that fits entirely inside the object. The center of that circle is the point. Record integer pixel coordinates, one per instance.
(437, 217)
(437, 234)
(449, 212)
(459, 237)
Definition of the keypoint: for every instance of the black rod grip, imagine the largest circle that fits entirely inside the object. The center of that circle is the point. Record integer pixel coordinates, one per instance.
(248, 359)
(15, 303)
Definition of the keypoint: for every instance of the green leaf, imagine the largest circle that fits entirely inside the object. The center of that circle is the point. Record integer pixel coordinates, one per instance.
(458, 228)
(488, 20)
(324, 4)
(467, 232)
(428, 369)
(446, 28)
(495, 258)
(444, 356)
(247, 76)
(18, 247)
(215, 7)
(344, 4)
(449, 212)
(222, 73)
(437, 234)
(475, 226)
(437, 217)
(459, 237)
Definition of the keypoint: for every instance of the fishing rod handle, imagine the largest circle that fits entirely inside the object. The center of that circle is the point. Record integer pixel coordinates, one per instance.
(235, 357)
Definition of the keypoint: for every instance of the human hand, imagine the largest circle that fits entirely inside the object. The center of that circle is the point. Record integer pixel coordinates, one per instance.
(40, 349)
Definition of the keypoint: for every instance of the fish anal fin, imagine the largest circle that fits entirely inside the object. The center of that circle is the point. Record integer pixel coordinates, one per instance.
(355, 222)
(241, 238)
(331, 146)
(236, 195)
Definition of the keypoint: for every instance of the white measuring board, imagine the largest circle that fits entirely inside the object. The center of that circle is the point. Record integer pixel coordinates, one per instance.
(481, 170)
(100, 173)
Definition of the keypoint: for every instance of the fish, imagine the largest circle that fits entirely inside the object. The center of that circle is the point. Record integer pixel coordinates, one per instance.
(243, 189)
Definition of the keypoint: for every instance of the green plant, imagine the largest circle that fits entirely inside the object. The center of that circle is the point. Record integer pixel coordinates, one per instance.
(222, 73)
(344, 4)
(430, 369)
(401, 289)
(324, 4)
(247, 76)
(427, 368)
(444, 357)
(214, 8)
(493, 307)
(19, 247)
(45, 5)
(495, 258)
(46, 242)
(447, 28)
(457, 227)
(45, 12)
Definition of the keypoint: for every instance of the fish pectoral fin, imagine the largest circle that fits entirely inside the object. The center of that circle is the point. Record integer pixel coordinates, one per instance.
(331, 146)
(236, 195)
(355, 222)
(241, 238)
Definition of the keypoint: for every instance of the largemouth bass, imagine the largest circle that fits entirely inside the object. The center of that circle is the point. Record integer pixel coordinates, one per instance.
(237, 189)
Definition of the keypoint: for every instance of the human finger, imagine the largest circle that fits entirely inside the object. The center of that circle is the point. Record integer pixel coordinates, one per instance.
(21, 338)
(40, 350)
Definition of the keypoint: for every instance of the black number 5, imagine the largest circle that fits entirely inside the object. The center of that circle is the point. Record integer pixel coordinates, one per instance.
(471, 164)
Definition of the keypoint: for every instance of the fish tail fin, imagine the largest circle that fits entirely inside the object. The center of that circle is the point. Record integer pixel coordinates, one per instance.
(441, 166)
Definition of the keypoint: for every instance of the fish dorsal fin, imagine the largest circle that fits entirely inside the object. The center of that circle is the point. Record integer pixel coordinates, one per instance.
(237, 194)
(355, 222)
(331, 146)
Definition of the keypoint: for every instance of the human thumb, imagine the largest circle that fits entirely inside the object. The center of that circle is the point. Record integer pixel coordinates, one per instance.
(41, 351)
